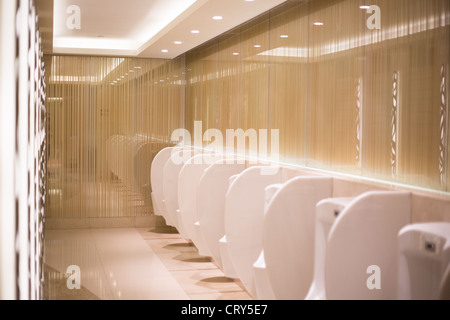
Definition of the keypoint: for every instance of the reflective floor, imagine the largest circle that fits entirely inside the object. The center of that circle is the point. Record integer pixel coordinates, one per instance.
(143, 264)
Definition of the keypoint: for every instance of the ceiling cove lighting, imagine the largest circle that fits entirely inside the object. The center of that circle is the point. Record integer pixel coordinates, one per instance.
(55, 99)
(155, 16)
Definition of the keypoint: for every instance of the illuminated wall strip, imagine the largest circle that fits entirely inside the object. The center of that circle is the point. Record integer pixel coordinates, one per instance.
(359, 109)
(443, 128)
(394, 125)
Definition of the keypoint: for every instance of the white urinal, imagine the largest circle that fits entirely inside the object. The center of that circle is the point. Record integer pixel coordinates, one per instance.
(212, 189)
(288, 237)
(244, 215)
(171, 172)
(327, 212)
(157, 180)
(424, 261)
(225, 257)
(188, 182)
(361, 255)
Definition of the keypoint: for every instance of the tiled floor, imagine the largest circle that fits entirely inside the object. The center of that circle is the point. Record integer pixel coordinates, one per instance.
(144, 264)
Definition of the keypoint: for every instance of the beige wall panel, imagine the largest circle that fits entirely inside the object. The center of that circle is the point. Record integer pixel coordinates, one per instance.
(91, 101)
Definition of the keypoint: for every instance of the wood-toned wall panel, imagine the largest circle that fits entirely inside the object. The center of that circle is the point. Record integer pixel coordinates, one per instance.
(255, 77)
(288, 82)
(108, 118)
(346, 95)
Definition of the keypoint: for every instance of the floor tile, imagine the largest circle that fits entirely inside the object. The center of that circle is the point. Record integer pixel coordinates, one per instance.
(134, 264)
(159, 233)
(160, 246)
(205, 281)
(186, 261)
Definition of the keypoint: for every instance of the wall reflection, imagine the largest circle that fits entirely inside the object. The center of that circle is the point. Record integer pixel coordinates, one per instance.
(107, 119)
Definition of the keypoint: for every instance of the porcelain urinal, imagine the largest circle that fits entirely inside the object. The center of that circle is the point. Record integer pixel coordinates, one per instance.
(157, 170)
(361, 255)
(171, 172)
(288, 236)
(327, 212)
(244, 215)
(424, 262)
(212, 189)
(188, 182)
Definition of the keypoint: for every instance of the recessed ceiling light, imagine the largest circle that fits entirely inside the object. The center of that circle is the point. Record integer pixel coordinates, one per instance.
(284, 36)
(257, 46)
(178, 42)
(164, 50)
(235, 53)
(249, 0)
(138, 67)
(364, 7)
(318, 23)
(195, 31)
(217, 17)
(131, 71)
(123, 77)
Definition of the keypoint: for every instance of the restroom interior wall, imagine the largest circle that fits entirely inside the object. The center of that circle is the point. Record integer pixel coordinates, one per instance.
(346, 98)
(107, 119)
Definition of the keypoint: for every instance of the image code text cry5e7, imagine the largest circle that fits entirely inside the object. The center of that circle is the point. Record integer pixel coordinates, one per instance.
(231, 309)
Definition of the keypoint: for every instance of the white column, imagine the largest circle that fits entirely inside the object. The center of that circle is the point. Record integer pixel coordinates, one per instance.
(8, 274)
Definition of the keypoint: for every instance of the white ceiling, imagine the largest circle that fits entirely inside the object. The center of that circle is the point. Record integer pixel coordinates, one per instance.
(143, 28)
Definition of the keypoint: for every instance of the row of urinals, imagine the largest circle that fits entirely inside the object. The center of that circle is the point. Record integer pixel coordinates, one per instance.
(286, 237)
(127, 158)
